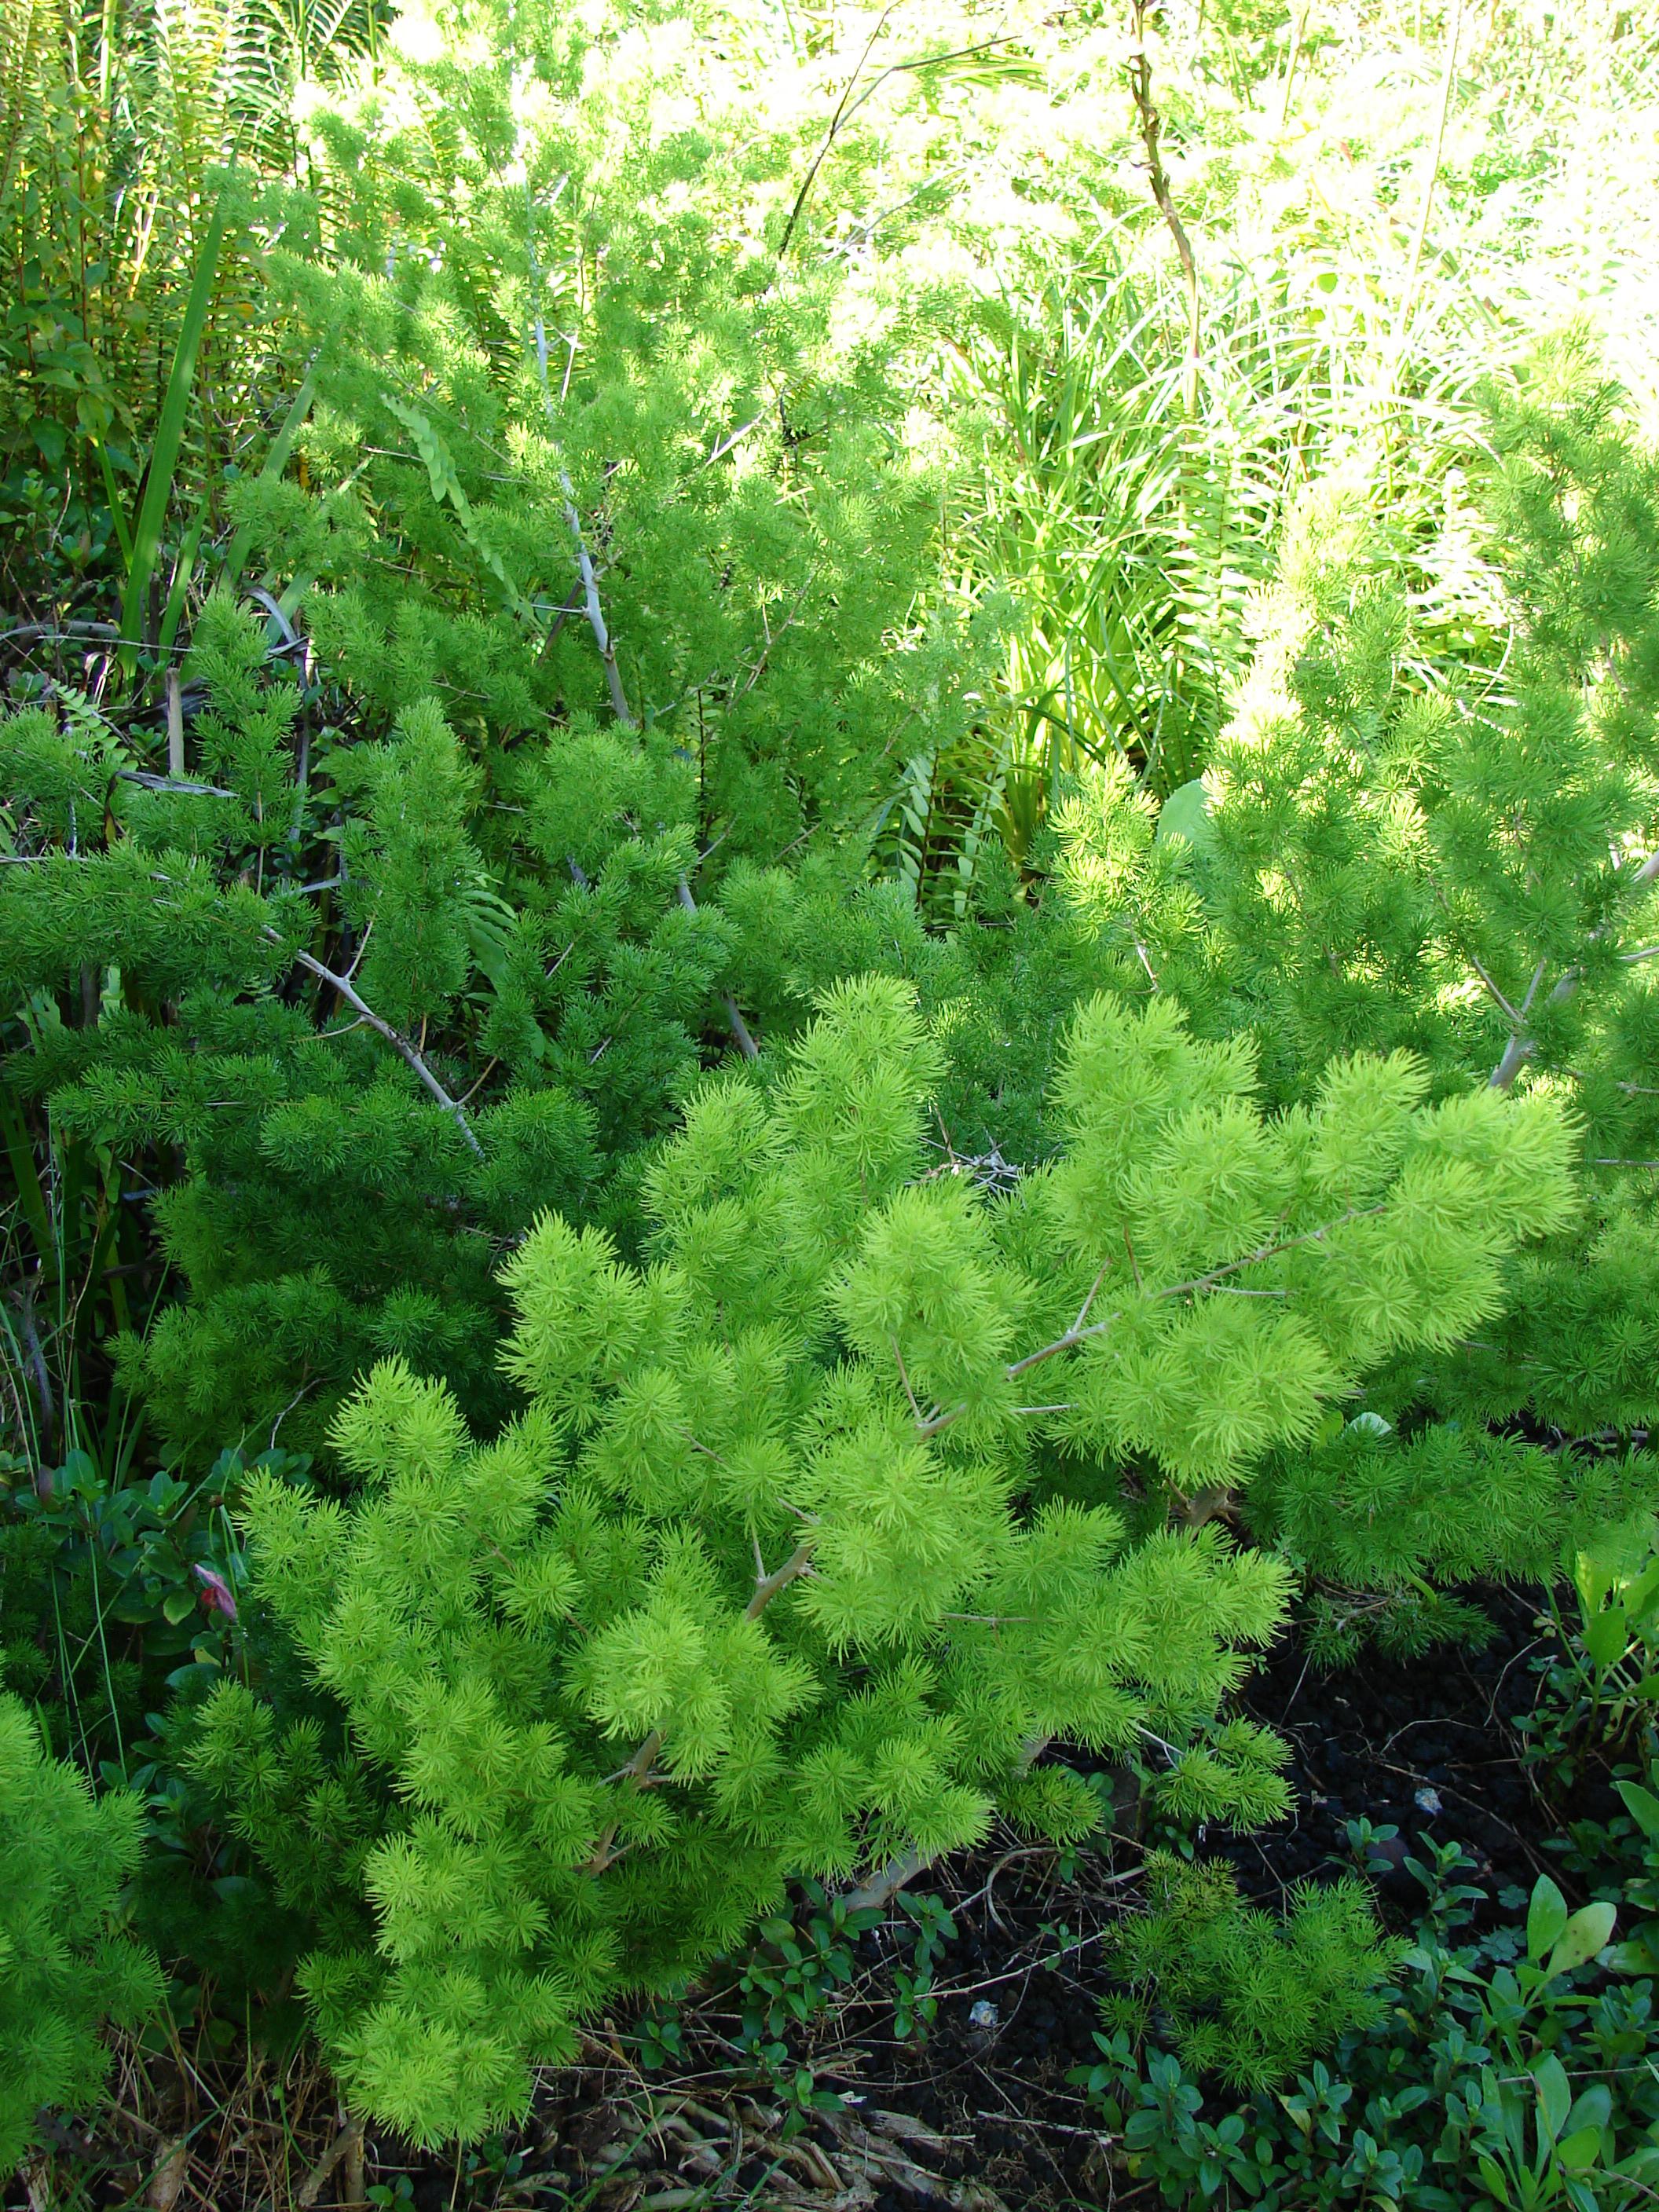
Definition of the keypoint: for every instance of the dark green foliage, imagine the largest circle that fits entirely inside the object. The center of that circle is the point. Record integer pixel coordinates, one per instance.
(1372, 1511)
(417, 796)
(329, 1209)
(121, 1606)
(111, 1595)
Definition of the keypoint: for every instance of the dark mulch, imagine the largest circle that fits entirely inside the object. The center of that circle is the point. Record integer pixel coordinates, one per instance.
(1428, 1745)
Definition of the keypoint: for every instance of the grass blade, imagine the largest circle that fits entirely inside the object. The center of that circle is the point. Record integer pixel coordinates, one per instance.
(169, 435)
(111, 492)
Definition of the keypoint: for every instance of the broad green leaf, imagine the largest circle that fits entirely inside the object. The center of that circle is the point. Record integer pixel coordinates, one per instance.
(1554, 2093)
(1185, 813)
(289, 598)
(1605, 1634)
(184, 570)
(1505, 2106)
(1581, 2148)
(1584, 1935)
(1592, 1581)
(1641, 1593)
(1594, 2109)
(1497, 2188)
(1546, 1915)
(117, 514)
(1641, 1806)
(13, 1132)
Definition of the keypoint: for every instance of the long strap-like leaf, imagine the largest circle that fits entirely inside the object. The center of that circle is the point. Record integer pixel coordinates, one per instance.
(169, 434)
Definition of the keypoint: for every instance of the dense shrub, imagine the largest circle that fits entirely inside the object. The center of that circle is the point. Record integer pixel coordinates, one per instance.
(65, 1968)
(751, 1589)
(636, 938)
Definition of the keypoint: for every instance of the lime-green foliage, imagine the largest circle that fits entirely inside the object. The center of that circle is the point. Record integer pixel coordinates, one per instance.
(749, 1588)
(1393, 849)
(64, 1965)
(998, 990)
(1370, 1509)
(1387, 854)
(1238, 1991)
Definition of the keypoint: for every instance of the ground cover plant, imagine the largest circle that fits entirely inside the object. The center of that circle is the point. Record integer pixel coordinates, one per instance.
(830, 852)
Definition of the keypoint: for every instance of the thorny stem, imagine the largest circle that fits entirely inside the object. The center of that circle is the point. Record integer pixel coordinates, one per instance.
(590, 582)
(1083, 1311)
(1215, 1501)
(1193, 1287)
(768, 1586)
(847, 106)
(1516, 1017)
(607, 645)
(1196, 1282)
(175, 725)
(347, 2145)
(740, 1030)
(905, 1379)
(1152, 134)
(596, 622)
(835, 122)
(1519, 1044)
(1521, 1047)
(885, 1884)
(394, 1037)
(637, 1770)
(149, 782)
